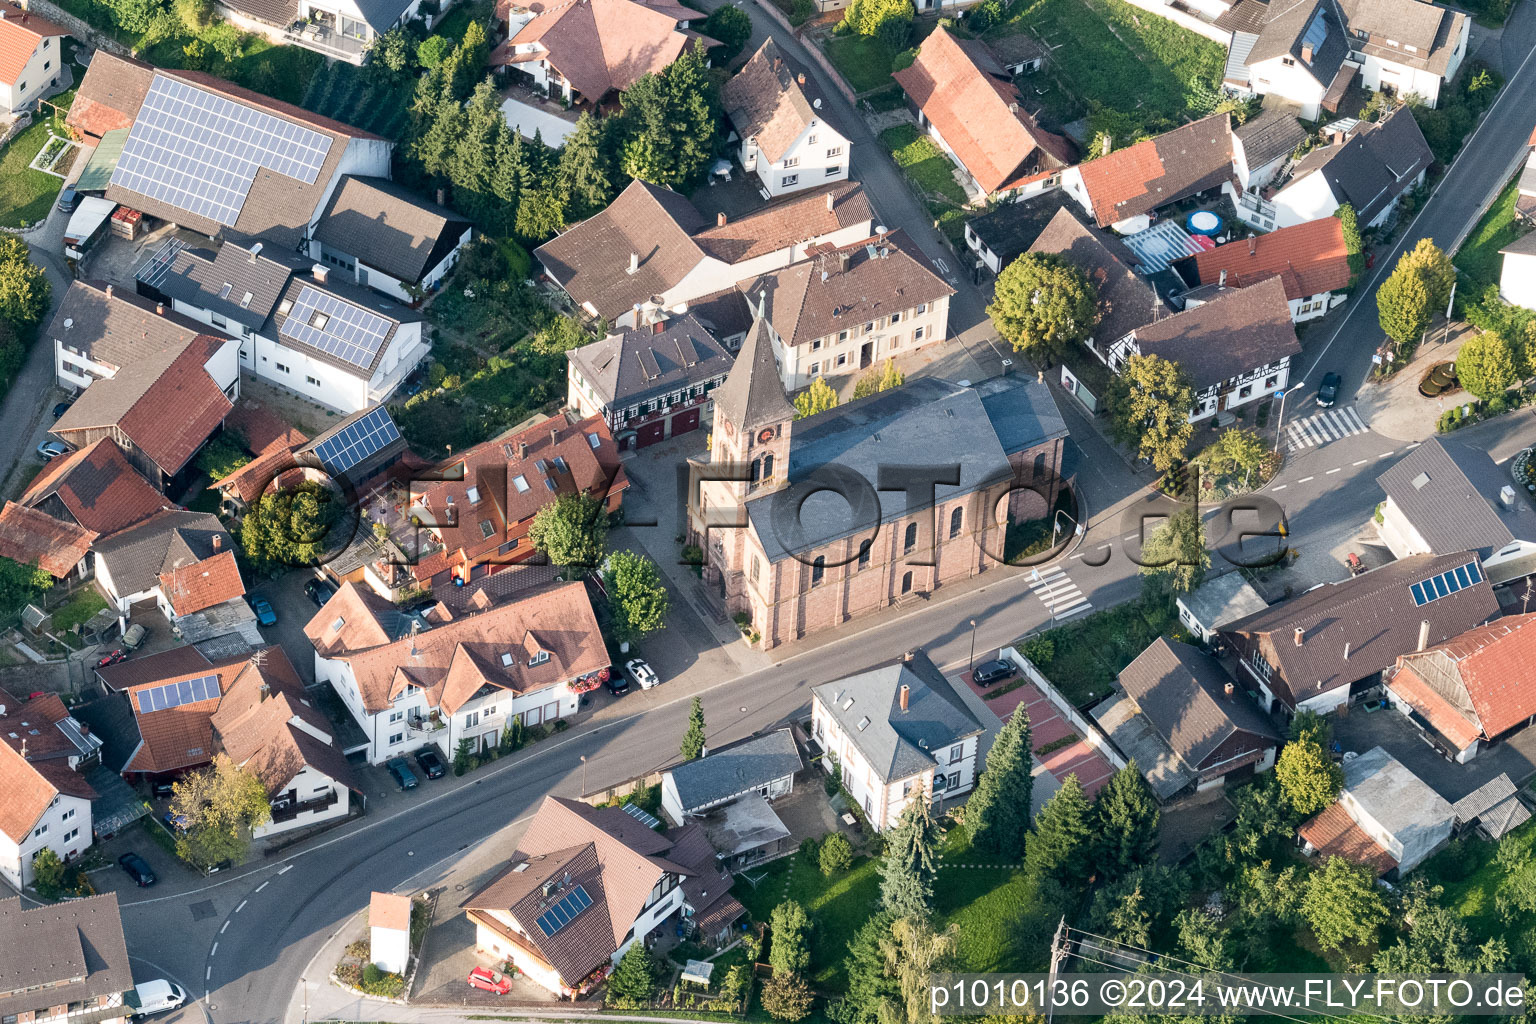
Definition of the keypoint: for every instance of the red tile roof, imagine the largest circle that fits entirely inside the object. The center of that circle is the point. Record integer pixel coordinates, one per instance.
(1333, 833)
(1154, 172)
(192, 588)
(601, 45)
(29, 536)
(20, 32)
(389, 910)
(97, 488)
(1458, 725)
(180, 737)
(1485, 670)
(1309, 258)
(200, 405)
(24, 794)
(966, 95)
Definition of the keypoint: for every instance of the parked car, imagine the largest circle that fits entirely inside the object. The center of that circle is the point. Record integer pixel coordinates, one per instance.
(491, 981)
(164, 789)
(113, 658)
(319, 591)
(68, 199)
(265, 616)
(640, 673)
(1328, 390)
(431, 765)
(61, 409)
(138, 869)
(617, 683)
(175, 822)
(155, 997)
(136, 635)
(402, 773)
(989, 672)
(52, 449)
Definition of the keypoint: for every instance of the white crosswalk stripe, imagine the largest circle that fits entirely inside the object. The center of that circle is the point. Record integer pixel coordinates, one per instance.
(1058, 593)
(1318, 430)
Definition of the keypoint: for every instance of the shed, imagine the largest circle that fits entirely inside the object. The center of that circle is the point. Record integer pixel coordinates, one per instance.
(1386, 805)
(1494, 808)
(764, 765)
(1218, 602)
(389, 931)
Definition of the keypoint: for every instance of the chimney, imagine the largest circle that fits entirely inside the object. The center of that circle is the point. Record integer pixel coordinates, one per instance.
(109, 291)
(1346, 650)
(905, 693)
(659, 327)
(159, 309)
(720, 219)
(554, 436)
(908, 656)
(522, 449)
(1229, 690)
(800, 78)
(634, 263)
(319, 273)
(1253, 246)
(265, 691)
(1222, 282)
(831, 203)
(1299, 634)
(218, 542)
(1423, 635)
(23, 748)
(1306, 52)
(1013, 108)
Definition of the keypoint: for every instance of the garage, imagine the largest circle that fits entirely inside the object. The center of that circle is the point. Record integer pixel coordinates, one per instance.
(650, 433)
(685, 421)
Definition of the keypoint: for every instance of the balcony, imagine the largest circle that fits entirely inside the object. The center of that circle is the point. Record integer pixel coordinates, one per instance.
(290, 811)
(322, 37)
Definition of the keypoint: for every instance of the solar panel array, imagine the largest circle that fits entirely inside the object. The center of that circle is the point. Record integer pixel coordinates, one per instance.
(564, 912)
(199, 151)
(174, 695)
(357, 441)
(348, 332)
(1316, 32)
(1449, 582)
(642, 815)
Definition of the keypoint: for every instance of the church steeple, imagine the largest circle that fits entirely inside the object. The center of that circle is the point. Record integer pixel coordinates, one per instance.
(752, 414)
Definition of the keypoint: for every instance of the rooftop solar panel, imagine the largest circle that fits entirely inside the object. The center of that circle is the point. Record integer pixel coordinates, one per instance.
(564, 911)
(357, 441)
(199, 151)
(1316, 32)
(1446, 583)
(174, 695)
(336, 327)
(642, 815)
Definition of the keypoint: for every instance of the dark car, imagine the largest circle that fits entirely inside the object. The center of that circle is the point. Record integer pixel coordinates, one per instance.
(319, 591)
(265, 616)
(138, 869)
(431, 765)
(61, 409)
(402, 772)
(617, 682)
(68, 199)
(1328, 390)
(989, 672)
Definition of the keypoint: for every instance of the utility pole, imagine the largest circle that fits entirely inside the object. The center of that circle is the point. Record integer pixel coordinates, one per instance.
(1058, 954)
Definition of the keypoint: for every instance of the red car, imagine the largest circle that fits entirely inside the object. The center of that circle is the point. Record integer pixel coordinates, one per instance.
(484, 977)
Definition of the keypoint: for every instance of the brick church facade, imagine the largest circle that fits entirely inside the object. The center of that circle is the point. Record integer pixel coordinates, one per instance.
(806, 561)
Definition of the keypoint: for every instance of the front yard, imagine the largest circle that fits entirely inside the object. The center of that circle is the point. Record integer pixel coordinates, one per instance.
(837, 905)
(26, 195)
(921, 159)
(1478, 258)
(1088, 654)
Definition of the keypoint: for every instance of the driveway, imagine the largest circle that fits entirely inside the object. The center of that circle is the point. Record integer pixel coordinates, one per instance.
(1361, 731)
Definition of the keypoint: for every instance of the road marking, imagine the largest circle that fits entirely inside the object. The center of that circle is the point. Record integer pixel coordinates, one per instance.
(1078, 555)
(1386, 455)
(1334, 470)
(285, 868)
(1323, 427)
(1058, 593)
(225, 928)
(1280, 487)
(1306, 479)
(241, 906)
(1362, 462)
(1415, 444)
(208, 974)
(215, 950)
(263, 885)
(1129, 536)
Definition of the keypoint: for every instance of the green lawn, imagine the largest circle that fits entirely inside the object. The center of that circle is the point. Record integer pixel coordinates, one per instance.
(457, 20)
(1478, 258)
(81, 605)
(26, 195)
(1091, 652)
(837, 907)
(863, 60)
(923, 161)
(1108, 52)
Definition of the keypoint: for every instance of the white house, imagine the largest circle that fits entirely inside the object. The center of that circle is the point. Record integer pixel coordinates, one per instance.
(47, 805)
(31, 55)
(783, 136)
(1386, 817)
(387, 239)
(413, 681)
(764, 765)
(1517, 276)
(339, 29)
(1217, 602)
(898, 733)
(389, 931)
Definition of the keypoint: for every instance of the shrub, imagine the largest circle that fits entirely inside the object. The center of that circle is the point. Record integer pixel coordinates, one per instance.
(358, 950)
(809, 849)
(371, 974)
(463, 760)
(836, 854)
(1040, 649)
(801, 11)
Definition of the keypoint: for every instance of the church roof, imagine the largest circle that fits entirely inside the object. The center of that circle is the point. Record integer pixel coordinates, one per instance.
(753, 394)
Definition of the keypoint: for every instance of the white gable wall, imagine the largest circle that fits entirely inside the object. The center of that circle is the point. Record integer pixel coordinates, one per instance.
(39, 74)
(65, 828)
(1291, 81)
(1517, 281)
(818, 157)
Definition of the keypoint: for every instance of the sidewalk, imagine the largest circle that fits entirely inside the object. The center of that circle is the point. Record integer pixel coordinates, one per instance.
(1395, 409)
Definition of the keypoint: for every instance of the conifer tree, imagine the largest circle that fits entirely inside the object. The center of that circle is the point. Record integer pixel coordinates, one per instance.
(911, 862)
(1126, 819)
(584, 173)
(997, 814)
(1063, 841)
(693, 739)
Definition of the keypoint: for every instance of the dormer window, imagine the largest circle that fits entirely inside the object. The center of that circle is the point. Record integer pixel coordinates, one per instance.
(539, 658)
(224, 291)
(473, 495)
(318, 320)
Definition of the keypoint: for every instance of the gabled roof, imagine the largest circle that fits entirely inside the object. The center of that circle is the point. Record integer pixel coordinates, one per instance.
(385, 226)
(1477, 684)
(1370, 169)
(1154, 172)
(1182, 691)
(1449, 492)
(32, 537)
(1333, 833)
(50, 947)
(117, 328)
(1012, 228)
(736, 769)
(1309, 259)
(1127, 301)
(20, 33)
(753, 392)
(47, 728)
(25, 795)
(898, 744)
(600, 46)
(139, 556)
(1373, 616)
(355, 619)
(1238, 330)
(172, 738)
(1391, 26)
(630, 366)
(203, 584)
(1274, 133)
(964, 93)
(241, 282)
(358, 302)
(1293, 28)
(772, 101)
(96, 488)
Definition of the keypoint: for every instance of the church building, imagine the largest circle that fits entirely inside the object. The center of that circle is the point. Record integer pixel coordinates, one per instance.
(869, 503)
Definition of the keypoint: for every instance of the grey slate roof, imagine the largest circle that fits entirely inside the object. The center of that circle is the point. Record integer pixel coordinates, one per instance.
(395, 312)
(638, 364)
(47, 945)
(112, 325)
(138, 555)
(1285, 26)
(1392, 794)
(257, 268)
(1012, 228)
(898, 744)
(753, 393)
(1430, 28)
(1224, 599)
(1525, 245)
(1180, 690)
(1372, 167)
(1449, 491)
(377, 222)
(1234, 331)
(1275, 133)
(736, 769)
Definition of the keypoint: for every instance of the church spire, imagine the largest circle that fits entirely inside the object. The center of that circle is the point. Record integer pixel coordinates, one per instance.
(753, 394)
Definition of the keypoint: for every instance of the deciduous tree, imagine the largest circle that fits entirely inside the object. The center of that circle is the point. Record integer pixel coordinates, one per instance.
(1043, 305)
(787, 997)
(998, 812)
(1486, 366)
(879, 379)
(21, 583)
(914, 952)
(640, 600)
(24, 288)
(218, 806)
(819, 397)
(731, 26)
(1434, 266)
(1174, 558)
(1404, 304)
(1342, 904)
(1309, 780)
(571, 530)
(288, 528)
(1149, 403)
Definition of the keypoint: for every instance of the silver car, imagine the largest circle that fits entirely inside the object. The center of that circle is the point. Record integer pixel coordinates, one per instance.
(640, 673)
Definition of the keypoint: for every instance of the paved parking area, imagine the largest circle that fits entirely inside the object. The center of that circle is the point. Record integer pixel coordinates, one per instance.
(1360, 731)
(1046, 726)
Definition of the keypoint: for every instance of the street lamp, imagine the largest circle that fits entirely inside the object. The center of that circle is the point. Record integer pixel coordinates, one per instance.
(1280, 423)
(972, 663)
(1077, 527)
(583, 776)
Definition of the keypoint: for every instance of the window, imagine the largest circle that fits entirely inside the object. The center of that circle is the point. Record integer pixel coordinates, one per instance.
(280, 366)
(490, 711)
(895, 318)
(315, 381)
(864, 549)
(218, 321)
(816, 345)
(538, 659)
(1289, 62)
(41, 830)
(768, 466)
(842, 359)
(757, 470)
(810, 140)
(472, 719)
(869, 327)
(910, 540)
(906, 789)
(67, 814)
(757, 568)
(1269, 382)
(834, 151)
(318, 320)
(955, 752)
(1038, 470)
(1245, 391)
(956, 520)
(922, 308)
(815, 368)
(842, 335)
(791, 161)
(788, 180)
(71, 834)
(396, 716)
(917, 335)
(833, 171)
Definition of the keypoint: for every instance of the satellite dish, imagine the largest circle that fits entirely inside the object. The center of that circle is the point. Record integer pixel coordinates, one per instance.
(881, 229)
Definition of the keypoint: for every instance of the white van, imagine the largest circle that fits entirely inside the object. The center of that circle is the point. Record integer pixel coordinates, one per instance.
(155, 997)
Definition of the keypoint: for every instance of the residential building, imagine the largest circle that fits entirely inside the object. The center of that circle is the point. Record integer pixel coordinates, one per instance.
(46, 804)
(1127, 300)
(1002, 236)
(387, 239)
(968, 103)
(65, 960)
(467, 676)
(1217, 602)
(1005, 434)
(1124, 188)
(389, 931)
(480, 504)
(339, 29)
(1525, 186)
(1263, 144)
(651, 248)
(41, 728)
(765, 765)
(1386, 817)
(1316, 650)
(580, 51)
(31, 537)
(1447, 496)
(1517, 273)
(172, 696)
(1471, 691)
(1182, 719)
(648, 382)
(307, 328)
(267, 725)
(1235, 344)
(1310, 259)
(586, 882)
(782, 133)
(31, 55)
(899, 733)
(845, 310)
(1370, 167)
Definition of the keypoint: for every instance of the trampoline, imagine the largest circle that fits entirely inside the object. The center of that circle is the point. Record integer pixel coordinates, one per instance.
(1203, 222)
